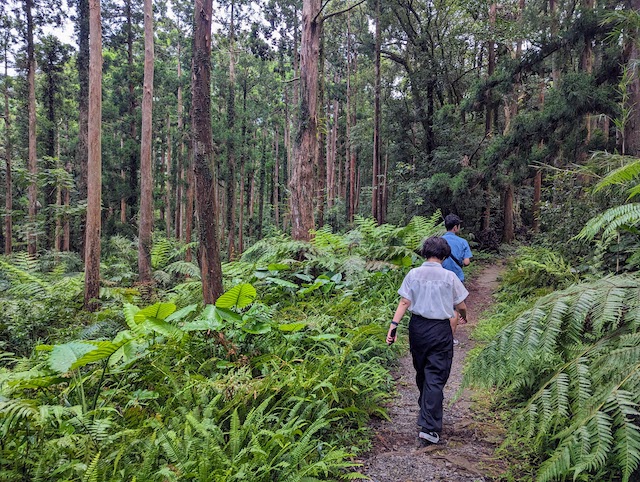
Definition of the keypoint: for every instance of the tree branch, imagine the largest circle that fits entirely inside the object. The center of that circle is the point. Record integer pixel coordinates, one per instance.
(344, 10)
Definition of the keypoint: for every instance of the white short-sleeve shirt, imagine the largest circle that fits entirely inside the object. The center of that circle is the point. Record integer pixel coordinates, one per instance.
(433, 291)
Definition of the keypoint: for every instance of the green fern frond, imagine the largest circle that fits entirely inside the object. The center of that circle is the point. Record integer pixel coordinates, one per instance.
(13, 412)
(91, 475)
(611, 221)
(184, 268)
(625, 174)
(161, 253)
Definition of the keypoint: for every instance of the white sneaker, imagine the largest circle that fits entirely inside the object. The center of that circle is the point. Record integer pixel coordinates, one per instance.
(455, 341)
(431, 437)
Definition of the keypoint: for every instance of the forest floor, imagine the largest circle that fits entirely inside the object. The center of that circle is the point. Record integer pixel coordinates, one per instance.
(470, 431)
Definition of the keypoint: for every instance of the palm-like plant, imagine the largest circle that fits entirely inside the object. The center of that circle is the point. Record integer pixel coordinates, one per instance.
(622, 218)
(572, 363)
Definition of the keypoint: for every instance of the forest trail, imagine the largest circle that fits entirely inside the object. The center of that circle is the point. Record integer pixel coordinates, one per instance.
(469, 437)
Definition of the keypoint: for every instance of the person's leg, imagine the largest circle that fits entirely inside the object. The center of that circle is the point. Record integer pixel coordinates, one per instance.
(437, 369)
(437, 347)
(417, 347)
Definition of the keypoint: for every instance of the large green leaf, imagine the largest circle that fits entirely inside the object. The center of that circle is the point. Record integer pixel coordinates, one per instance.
(291, 326)
(182, 313)
(241, 295)
(64, 356)
(282, 282)
(158, 311)
(211, 318)
(278, 267)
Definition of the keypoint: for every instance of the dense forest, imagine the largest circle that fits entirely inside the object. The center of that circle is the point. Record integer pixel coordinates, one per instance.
(209, 208)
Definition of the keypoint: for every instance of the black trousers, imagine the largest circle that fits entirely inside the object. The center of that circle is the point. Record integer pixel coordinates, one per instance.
(431, 344)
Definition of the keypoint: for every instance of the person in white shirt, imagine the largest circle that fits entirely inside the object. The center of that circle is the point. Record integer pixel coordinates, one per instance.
(430, 293)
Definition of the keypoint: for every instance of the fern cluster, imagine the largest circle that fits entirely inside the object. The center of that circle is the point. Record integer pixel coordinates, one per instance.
(571, 362)
(535, 271)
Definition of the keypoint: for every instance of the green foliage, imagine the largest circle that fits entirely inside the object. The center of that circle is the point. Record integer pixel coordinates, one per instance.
(535, 271)
(570, 362)
(224, 392)
(36, 304)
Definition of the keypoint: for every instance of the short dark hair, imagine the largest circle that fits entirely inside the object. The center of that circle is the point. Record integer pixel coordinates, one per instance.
(451, 220)
(435, 248)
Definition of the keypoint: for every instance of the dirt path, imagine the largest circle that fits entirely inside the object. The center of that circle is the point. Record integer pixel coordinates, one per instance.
(465, 452)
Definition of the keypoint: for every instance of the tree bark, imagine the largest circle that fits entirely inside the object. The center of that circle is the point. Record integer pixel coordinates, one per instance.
(167, 187)
(508, 231)
(537, 191)
(305, 150)
(208, 252)
(133, 154)
(8, 203)
(631, 138)
(320, 159)
(145, 224)
(189, 204)
(231, 148)
(180, 177)
(32, 192)
(375, 191)
(82, 63)
(491, 65)
(276, 178)
(261, 185)
(94, 168)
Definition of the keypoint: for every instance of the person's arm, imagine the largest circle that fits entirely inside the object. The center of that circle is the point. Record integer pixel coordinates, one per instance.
(403, 305)
(462, 309)
(466, 255)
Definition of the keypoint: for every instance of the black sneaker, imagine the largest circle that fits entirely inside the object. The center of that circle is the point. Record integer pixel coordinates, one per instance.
(429, 437)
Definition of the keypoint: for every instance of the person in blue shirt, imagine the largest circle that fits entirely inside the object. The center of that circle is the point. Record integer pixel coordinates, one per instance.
(460, 250)
(460, 256)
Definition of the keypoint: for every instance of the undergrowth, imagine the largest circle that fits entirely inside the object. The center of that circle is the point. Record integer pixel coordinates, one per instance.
(277, 381)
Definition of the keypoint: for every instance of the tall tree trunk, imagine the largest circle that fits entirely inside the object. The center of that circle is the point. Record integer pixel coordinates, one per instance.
(491, 66)
(631, 137)
(376, 208)
(66, 228)
(287, 144)
(508, 234)
(8, 203)
(276, 178)
(82, 63)
(555, 62)
(133, 153)
(94, 168)
(511, 110)
(243, 161)
(32, 192)
(145, 224)
(57, 243)
(350, 159)
(180, 177)
(332, 157)
(586, 65)
(189, 204)
(241, 212)
(167, 187)
(305, 150)
(231, 148)
(262, 182)
(320, 160)
(209, 251)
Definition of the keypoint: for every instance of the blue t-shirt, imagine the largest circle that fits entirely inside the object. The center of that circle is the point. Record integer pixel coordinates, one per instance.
(460, 250)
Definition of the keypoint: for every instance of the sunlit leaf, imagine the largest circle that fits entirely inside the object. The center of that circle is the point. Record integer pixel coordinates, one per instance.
(241, 295)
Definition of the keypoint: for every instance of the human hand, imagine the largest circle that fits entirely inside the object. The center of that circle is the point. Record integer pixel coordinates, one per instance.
(392, 335)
